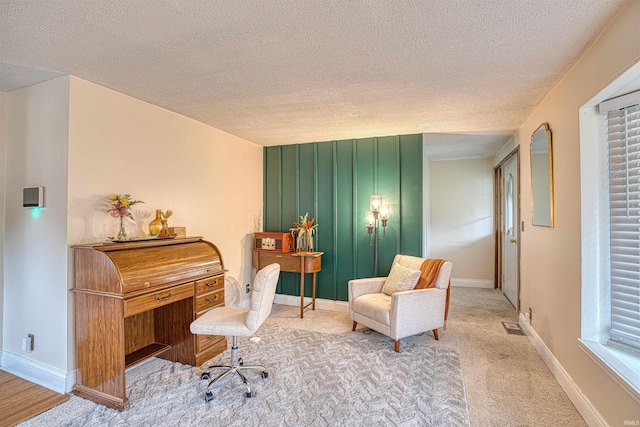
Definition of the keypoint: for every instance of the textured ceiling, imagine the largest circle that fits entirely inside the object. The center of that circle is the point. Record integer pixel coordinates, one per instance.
(289, 71)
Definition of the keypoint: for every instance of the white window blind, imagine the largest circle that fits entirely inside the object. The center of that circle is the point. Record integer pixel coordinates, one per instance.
(624, 214)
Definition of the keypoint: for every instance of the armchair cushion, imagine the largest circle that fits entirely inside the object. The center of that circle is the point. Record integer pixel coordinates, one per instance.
(400, 278)
(374, 306)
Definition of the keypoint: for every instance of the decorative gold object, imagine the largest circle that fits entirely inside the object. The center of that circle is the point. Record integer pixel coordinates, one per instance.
(164, 232)
(155, 226)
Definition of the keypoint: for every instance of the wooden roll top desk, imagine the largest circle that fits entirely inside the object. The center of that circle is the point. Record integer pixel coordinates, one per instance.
(136, 300)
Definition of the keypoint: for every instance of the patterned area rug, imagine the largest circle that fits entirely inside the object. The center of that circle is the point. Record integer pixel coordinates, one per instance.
(315, 379)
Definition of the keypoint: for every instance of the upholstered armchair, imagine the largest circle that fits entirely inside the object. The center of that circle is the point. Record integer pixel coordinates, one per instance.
(405, 312)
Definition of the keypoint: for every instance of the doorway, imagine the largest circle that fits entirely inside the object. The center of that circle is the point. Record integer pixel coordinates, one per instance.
(508, 227)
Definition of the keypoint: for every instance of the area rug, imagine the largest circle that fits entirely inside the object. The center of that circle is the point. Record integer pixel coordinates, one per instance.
(315, 379)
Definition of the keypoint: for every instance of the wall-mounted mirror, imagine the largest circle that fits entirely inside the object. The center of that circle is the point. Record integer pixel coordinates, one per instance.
(542, 176)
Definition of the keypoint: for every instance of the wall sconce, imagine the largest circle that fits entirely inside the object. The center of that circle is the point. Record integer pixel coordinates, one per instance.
(378, 215)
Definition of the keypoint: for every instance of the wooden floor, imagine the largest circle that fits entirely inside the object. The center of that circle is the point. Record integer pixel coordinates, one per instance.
(21, 400)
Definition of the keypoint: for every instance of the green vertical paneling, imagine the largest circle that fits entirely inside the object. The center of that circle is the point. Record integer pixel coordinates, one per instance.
(290, 283)
(364, 180)
(344, 213)
(272, 174)
(332, 181)
(325, 219)
(411, 195)
(388, 183)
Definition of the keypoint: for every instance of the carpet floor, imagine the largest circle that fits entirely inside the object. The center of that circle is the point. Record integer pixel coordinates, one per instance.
(315, 379)
(506, 383)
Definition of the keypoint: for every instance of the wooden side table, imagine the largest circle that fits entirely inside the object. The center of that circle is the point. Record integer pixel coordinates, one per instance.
(293, 262)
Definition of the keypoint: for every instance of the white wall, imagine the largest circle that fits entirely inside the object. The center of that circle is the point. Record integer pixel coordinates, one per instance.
(3, 157)
(461, 219)
(35, 253)
(551, 257)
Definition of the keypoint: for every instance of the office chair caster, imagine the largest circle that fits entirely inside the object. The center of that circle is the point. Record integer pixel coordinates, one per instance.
(208, 396)
(205, 376)
(265, 374)
(250, 394)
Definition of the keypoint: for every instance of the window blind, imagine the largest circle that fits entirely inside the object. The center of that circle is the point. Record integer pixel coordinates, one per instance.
(624, 218)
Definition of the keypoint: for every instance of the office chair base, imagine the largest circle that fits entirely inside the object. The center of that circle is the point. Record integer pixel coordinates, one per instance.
(237, 366)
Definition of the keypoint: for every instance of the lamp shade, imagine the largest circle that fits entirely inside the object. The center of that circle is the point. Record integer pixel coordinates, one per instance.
(384, 212)
(370, 219)
(375, 202)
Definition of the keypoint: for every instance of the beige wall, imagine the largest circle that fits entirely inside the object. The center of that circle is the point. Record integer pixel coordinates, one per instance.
(210, 179)
(461, 218)
(35, 254)
(550, 257)
(3, 156)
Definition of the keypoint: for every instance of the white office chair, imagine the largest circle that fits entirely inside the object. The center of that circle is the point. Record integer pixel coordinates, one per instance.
(239, 321)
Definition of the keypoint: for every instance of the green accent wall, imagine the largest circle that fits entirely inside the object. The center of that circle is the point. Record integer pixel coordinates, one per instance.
(332, 181)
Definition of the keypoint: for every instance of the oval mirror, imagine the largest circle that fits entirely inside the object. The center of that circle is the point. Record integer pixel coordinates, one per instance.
(542, 176)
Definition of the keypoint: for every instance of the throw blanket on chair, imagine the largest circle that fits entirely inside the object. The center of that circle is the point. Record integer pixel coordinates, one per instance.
(430, 269)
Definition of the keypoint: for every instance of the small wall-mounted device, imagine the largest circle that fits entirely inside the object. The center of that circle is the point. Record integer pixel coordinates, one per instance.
(33, 197)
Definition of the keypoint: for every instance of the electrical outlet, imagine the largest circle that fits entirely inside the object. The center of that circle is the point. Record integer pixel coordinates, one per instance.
(248, 288)
(27, 343)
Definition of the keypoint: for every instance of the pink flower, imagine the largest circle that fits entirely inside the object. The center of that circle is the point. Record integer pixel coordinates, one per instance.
(114, 213)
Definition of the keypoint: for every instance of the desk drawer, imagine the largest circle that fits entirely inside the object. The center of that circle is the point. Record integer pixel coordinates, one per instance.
(210, 300)
(206, 341)
(287, 262)
(157, 299)
(209, 284)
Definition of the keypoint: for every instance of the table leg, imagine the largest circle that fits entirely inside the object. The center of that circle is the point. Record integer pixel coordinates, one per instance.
(302, 287)
(313, 291)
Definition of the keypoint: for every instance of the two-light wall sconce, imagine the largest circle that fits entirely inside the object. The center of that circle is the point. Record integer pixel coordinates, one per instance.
(376, 217)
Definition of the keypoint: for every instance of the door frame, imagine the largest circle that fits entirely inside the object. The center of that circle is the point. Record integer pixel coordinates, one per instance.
(498, 218)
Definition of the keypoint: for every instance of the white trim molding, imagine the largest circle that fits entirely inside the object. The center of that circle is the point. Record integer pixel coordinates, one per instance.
(38, 373)
(321, 304)
(612, 361)
(472, 283)
(590, 415)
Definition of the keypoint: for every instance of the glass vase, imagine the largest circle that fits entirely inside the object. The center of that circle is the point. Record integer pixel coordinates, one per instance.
(156, 225)
(304, 243)
(122, 234)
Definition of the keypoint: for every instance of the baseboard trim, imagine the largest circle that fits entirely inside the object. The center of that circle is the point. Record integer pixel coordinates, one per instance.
(472, 283)
(321, 304)
(590, 415)
(38, 373)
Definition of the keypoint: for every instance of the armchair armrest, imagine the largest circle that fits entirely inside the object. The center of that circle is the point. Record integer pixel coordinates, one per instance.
(359, 287)
(417, 311)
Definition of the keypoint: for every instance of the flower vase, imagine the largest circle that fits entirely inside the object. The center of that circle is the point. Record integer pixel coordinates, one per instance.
(304, 242)
(122, 234)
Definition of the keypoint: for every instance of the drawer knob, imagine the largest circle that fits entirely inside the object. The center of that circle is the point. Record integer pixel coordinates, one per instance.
(159, 298)
(215, 298)
(211, 285)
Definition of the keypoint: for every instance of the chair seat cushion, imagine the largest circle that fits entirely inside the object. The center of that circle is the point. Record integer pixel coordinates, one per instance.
(229, 321)
(374, 306)
(400, 278)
